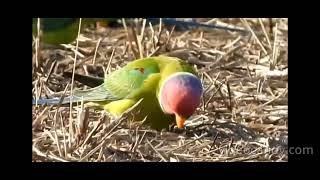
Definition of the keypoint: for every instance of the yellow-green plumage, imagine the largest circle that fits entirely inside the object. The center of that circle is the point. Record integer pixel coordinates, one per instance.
(140, 79)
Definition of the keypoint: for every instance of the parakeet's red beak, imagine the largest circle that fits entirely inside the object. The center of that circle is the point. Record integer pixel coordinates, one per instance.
(180, 121)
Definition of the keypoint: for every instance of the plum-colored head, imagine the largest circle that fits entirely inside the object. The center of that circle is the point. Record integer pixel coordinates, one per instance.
(180, 95)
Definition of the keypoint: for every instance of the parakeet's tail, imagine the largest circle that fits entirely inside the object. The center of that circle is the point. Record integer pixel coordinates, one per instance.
(56, 101)
(95, 94)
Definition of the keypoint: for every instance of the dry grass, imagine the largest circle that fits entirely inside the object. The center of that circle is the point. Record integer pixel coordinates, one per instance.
(243, 115)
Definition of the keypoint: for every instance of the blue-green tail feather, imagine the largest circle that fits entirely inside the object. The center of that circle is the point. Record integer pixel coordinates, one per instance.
(56, 101)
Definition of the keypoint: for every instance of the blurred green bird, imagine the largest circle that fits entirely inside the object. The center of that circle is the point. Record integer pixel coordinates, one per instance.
(56, 31)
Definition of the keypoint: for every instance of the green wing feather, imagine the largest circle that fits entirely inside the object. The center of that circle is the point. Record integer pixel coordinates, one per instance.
(124, 83)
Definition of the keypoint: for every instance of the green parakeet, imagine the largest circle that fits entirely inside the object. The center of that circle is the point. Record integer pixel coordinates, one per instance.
(56, 31)
(170, 89)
